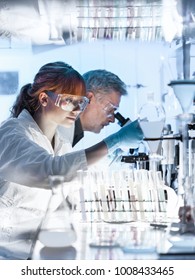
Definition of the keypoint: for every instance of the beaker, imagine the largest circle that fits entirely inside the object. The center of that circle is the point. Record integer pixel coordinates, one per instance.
(56, 229)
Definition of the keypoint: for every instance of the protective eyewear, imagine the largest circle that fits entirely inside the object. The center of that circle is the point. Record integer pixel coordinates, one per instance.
(109, 109)
(69, 103)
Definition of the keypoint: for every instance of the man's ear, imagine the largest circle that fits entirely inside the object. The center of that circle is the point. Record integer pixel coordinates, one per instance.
(90, 95)
(43, 99)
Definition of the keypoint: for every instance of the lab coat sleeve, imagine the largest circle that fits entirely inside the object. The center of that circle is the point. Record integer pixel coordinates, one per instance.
(27, 163)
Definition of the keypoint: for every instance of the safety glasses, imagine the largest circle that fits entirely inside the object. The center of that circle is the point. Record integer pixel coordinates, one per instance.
(107, 107)
(68, 102)
(110, 109)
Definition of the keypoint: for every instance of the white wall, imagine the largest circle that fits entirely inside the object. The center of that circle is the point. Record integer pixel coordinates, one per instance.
(149, 64)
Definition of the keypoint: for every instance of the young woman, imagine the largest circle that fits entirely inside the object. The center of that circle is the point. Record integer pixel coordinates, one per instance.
(32, 148)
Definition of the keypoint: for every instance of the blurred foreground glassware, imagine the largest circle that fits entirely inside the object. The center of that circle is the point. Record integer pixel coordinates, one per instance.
(56, 229)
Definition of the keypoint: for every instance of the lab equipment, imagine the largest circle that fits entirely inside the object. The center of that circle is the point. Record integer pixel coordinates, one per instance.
(121, 120)
(151, 118)
(56, 228)
(123, 196)
(181, 229)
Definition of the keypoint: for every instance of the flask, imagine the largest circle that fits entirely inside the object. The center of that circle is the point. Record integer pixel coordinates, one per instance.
(56, 229)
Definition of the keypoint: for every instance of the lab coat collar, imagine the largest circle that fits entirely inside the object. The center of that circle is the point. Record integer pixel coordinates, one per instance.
(61, 143)
(25, 116)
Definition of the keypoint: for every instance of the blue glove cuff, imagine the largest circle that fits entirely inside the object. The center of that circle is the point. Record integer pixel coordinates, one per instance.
(112, 142)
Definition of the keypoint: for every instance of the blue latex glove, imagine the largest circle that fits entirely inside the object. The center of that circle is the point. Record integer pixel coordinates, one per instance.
(129, 136)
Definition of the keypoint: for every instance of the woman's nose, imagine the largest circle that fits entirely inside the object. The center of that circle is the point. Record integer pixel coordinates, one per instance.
(76, 109)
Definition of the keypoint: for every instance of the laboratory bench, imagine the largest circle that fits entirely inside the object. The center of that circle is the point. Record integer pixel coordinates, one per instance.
(106, 241)
(119, 241)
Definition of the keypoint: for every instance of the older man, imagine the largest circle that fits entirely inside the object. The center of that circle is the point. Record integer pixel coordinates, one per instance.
(104, 89)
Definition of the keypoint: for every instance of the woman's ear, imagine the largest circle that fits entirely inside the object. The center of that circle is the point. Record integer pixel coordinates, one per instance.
(43, 99)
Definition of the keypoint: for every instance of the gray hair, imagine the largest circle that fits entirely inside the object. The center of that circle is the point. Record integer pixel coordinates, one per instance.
(104, 82)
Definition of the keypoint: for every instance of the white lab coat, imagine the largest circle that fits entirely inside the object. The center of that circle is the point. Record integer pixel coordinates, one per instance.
(26, 160)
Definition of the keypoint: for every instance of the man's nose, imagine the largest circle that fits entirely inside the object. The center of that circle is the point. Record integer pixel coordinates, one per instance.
(111, 118)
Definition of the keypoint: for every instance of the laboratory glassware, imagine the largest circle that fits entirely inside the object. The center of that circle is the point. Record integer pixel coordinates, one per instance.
(56, 228)
(184, 90)
(152, 120)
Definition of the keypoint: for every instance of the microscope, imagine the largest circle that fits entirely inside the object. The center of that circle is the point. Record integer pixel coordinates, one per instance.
(134, 156)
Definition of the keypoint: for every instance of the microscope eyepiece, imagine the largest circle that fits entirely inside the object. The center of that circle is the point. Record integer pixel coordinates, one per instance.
(121, 120)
